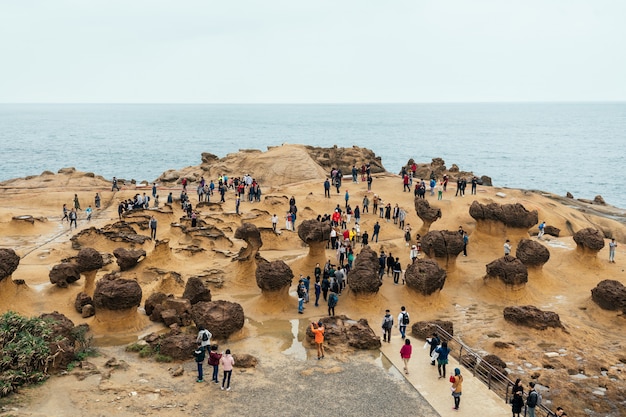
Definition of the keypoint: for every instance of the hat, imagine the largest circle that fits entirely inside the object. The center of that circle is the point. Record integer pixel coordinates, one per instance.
(319, 323)
(413, 247)
(457, 371)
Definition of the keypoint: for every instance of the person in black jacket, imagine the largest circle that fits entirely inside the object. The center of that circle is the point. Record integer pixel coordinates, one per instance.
(391, 262)
(517, 401)
(433, 342)
(531, 401)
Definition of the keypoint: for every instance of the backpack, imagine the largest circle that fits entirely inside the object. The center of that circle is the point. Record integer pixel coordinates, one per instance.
(405, 318)
(539, 398)
(205, 337)
(387, 322)
(332, 301)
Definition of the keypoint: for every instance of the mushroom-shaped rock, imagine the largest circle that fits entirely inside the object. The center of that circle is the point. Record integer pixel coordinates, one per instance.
(64, 274)
(363, 277)
(442, 244)
(82, 299)
(252, 236)
(426, 213)
(509, 269)
(89, 259)
(511, 215)
(315, 234)
(610, 295)
(196, 291)
(114, 293)
(425, 276)
(273, 276)
(9, 261)
(425, 329)
(532, 253)
(127, 259)
(589, 240)
(222, 318)
(531, 316)
(342, 330)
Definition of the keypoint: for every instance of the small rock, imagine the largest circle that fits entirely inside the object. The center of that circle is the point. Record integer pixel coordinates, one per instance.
(551, 354)
(501, 195)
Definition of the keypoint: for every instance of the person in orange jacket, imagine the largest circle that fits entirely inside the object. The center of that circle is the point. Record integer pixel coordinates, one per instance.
(318, 331)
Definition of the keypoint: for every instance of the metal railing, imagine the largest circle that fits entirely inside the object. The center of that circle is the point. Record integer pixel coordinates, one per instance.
(494, 379)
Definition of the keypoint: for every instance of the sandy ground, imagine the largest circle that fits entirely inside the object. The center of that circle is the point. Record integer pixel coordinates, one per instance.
(587, 374)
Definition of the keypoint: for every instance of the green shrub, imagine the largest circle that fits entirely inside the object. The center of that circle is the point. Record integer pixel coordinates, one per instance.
(162, 358)
(145, 352)
(134, 347)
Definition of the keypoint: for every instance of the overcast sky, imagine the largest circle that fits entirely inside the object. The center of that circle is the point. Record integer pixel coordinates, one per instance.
(328, 51)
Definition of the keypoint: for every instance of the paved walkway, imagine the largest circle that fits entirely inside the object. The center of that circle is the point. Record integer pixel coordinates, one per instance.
(477, 399)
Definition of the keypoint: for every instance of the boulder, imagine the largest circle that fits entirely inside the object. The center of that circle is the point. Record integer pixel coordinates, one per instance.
(196, 291)
(88, 310)
(273, 276)
(178, 346)
(127, 259)
(599, 200)
(511, 215)
(9, 261)
(89, 259)
(425, 329)
(610, 295)
(343, 331)
(62, 340)
(442, 244)
(495, 362)
(154, 300)
(182, 311)
(315, 234)
(222, 318)
(114, 293)
(551, 230)
(569, 195)
(252, 236)
(532, 253)
(486, 180)
(245, 360)
(64, 274)
(508, 269)
(426, 213)
(589, 239)
(425, 276)
(363, 277)
(82, 299)
(531, 316)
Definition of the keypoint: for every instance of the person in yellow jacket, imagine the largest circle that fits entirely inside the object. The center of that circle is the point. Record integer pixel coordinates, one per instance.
(318, 331)
(457, 387)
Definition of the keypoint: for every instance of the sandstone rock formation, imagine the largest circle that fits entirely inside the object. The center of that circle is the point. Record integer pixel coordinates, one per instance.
(222, 318)
(9, 261)
(245, 360)
(82, 299)
(425, 276)
(551, 230)
(273, 276)
(152, 302)
(89, 259)
(532, 253)
(509, 270)
(426, 213)
(531, 316)
(168, 310)
(196, 291)
(442, 244)
(589, 240)
(63, 340)
(116, 232)
(343, 331)
(425, 329)
(252, 236)
(610, 295)
(64, 274)
(363, 277)
(177, 345)
(511, 215)
(127, 259)
(315, 234)
(114, 293)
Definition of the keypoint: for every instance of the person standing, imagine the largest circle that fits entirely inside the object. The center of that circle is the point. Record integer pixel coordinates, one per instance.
(204, 338)
(369, 183)
(76, 202)
(442, 360)
(318, 291)
(347, 197)
(465, 242)
(474, 183)
(403, 321)
(237, 201)
(214, 360)
(366, 205)
(612, 246)
(88, 212)
(517, 401)
(227, 361)
(332, 303)
(153, 227)
(457, 387)
(301, 291)
(507, 248)
(413, 253)
(154, 189)
(387, 326)
(65, 213)
(274, 222)
(72, 217)
(405, 354)
(114, 185)
(376, 231)
(199, 357)
(397, 271)
(325, 287)
(434, 343)
(318, 331)
(531, 401)
(542, 227)
(327, 188)
(96, 200)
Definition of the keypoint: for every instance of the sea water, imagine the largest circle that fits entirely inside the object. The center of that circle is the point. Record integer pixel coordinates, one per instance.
(556, 147)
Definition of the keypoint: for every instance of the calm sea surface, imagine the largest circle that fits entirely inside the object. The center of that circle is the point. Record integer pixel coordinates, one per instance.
(557, 147)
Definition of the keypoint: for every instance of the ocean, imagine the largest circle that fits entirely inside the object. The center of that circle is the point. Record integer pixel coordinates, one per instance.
(555, 147)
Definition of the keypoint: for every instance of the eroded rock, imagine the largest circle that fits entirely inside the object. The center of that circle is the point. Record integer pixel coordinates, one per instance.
(509, 270)
(114, 293)
(9, 261)
(532, 253)
(222, 318)
(89, 259)
(128, 259)
(425, 276)
(610, 295)
(273, 276)
(363, 277)
(531, 316)
(442, 244)
(589, 239)
(426, 213)
(196, 291)
(511, 215)
(64, 274)
(343, 331)
(252, 236)
(425, 329)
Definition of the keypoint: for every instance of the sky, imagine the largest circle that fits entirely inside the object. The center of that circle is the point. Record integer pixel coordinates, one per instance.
(322, 51)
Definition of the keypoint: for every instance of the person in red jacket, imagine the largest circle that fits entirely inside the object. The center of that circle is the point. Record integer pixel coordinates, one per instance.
(405, 354)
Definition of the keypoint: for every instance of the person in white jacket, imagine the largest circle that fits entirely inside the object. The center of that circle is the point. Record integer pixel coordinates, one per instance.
(403, 321)
(204, 338)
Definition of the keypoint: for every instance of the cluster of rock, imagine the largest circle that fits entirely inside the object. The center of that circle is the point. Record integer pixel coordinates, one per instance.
(343, 331)
(363, 277)
(128, 258)
(116, 232)
(425, 276)
(65, 273)
(63, 340)
(344, 158)
(170, 310)
(438, 167)
(425, 329)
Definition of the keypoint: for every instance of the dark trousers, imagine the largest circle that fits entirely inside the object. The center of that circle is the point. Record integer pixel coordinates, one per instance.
(325, 293)
(317, 299)
(215, 373)
(226, 379)
(386, 335)
(200, 375)
(327, 192)
(331, 310)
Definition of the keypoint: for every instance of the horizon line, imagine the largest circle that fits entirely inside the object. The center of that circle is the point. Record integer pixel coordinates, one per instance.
(319, 102)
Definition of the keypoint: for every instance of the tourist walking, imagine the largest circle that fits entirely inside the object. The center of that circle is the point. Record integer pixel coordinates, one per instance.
(333, 298)
(612, 246)
(517, 401)
(376, 231)
(318, 291)
(403, 321)
(214, 361)
(318, 332)
(76, 202)
(457, 387)
(114, 185)
(465, 242)
(434, 343)
(72, 217)
(542, 227)
(65, 213)
(327, 188)
(88, 212)
(387, 326)
(405, 354)
(227, 361)
(507, 247)
(442, 359)
(397, 271)
(153, 227)
(301, 291)
(199, 357)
